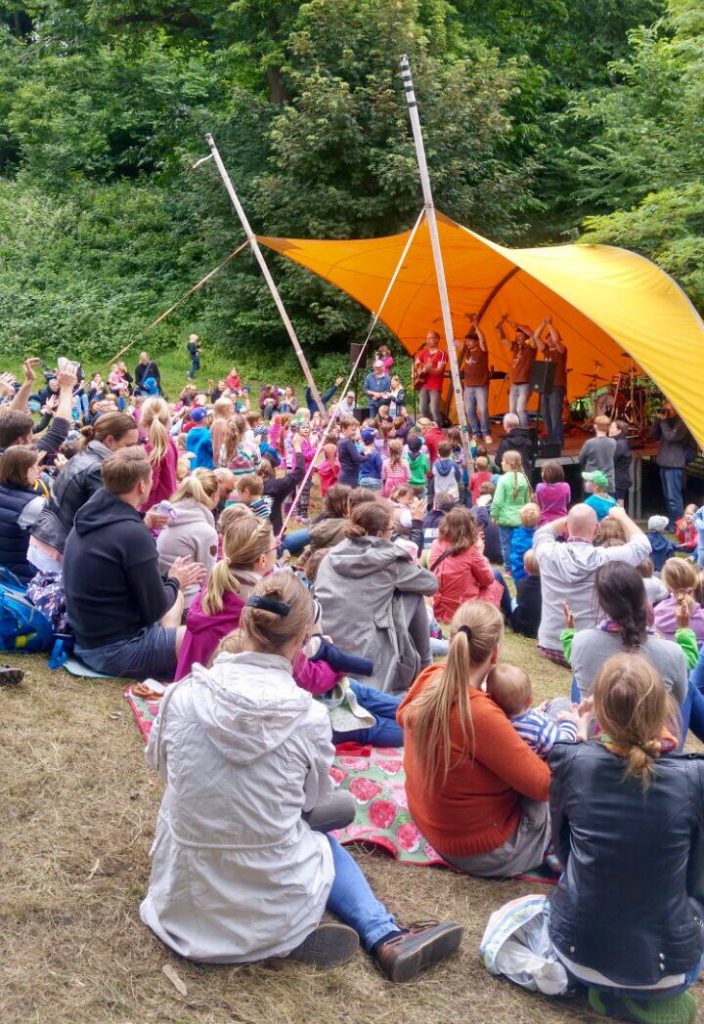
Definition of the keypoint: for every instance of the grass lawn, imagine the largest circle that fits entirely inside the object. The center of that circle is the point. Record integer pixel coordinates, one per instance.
(79, 809)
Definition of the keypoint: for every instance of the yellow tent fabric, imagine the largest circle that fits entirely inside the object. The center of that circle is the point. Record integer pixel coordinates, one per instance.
(610, 305)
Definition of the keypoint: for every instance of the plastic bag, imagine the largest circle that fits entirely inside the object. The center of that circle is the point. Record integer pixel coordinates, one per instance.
(516, 945)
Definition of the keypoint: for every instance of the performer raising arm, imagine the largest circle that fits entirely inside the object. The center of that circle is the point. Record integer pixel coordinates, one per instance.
(523, 348)
(554, 351)
(475, 376)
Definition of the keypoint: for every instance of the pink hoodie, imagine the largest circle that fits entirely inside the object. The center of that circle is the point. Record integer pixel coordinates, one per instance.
(204, 632)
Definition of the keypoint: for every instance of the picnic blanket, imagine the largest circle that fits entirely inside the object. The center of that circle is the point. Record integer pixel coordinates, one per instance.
(376, 779)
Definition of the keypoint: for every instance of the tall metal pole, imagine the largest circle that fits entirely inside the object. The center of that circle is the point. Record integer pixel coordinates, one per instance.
(437, 257)
(266, 272)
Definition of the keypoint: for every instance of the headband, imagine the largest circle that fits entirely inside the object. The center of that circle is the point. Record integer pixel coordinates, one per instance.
(269, 604)
(467, 630)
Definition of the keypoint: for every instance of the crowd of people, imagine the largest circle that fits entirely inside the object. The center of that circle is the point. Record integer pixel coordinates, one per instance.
(265, 554)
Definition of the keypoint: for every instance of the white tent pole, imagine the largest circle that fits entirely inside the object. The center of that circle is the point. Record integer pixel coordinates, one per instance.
(266, 272)
(437, 257)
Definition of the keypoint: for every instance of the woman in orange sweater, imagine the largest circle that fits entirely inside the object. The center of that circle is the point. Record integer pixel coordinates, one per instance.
(475, 789)
(464, 573)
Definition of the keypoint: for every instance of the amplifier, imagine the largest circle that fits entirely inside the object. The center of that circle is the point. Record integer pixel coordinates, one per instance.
(542, 375)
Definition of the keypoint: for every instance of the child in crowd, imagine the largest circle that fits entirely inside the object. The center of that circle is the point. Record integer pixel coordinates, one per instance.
(525, 616)
(655, 589)
(457, 559)
(458, 457)
(199, 443)
(599, 499)
(395, 471)
(510, 687)
(308, 453)
(239, 460)
(370, 470)
(348, 455)
(661, 547)
(698, 523)
(397, 397)
(419, 465)
(447, 476)
(329, 468)
(481, 475)
(686, 532)
(512, 493)
(250, 491)
(553, 494)
(482, 513)
(598, 452)
(442, 504)
(680, 578)
(223, 409)
(522, 539)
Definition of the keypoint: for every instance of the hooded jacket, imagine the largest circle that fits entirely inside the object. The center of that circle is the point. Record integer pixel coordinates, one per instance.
(191, 533)
(521, 440)
(237, 874)
(361, 586)
(466, 576)
(567, 573)
(111, 577)
(633, 918)
(446, 477)
(76, 483)
(200, 443)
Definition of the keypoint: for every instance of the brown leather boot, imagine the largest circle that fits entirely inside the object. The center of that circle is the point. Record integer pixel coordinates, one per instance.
(402, 957)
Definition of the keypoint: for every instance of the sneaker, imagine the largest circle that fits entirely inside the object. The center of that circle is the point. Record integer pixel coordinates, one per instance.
(10, 676)
(327, 945)
(681, 1009)
(402, 957)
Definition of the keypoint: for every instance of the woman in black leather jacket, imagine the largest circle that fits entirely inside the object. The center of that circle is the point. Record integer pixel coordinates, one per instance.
(628, 824)
(75, 484)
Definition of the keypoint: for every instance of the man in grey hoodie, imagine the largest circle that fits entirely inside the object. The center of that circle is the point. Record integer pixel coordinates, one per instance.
(568, 571)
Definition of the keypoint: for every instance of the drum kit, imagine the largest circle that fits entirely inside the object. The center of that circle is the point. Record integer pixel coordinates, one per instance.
(629, 396)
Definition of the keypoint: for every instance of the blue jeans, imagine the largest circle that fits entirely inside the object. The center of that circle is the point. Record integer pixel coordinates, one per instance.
(506, 596)
(692, 712)
(429, 405)
(476, 402)
(387, 732)
(296, 541)
(672, 482)
(195, 366)
(352, 900)
(505, 533)
(551, 408)
(518, 400)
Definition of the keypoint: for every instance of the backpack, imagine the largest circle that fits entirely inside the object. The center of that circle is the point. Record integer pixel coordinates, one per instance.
(22, 626)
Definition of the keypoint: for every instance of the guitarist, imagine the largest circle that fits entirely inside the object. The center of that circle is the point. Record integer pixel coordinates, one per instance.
(428, 376)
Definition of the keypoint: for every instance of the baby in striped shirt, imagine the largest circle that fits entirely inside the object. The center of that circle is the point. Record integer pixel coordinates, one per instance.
(510, 687)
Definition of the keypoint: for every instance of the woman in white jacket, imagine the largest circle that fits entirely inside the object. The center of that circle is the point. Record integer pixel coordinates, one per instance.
(241, 869)
(191, 531)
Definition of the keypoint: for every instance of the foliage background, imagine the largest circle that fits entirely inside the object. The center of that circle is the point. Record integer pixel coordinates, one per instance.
(542, 121)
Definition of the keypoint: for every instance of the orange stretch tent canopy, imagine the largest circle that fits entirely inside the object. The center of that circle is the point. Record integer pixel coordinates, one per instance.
(610, 305)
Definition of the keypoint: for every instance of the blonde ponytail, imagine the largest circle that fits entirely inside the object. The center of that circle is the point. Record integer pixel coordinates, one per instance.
(155, 420)
(243, 542)
(201, 485)
(475, 632)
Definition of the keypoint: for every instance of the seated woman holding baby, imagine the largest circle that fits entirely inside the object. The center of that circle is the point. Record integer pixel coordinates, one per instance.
(475, 788)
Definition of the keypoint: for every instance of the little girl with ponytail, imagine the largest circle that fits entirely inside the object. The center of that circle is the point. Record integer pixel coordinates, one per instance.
(161, 449)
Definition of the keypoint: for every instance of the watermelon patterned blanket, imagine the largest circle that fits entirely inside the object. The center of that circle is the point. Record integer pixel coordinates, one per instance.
(376, 779)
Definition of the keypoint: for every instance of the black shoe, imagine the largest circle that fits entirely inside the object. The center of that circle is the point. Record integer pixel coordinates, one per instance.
(405, 955)
(327, 945)
(10, 676)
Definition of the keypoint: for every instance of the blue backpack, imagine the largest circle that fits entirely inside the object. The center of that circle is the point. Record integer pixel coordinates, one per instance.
(22, 626)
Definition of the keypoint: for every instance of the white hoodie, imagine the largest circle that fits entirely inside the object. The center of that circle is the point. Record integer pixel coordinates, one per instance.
(237, 875)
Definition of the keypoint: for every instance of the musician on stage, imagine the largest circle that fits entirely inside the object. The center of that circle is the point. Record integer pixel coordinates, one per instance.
(475, 377)
(429, 373)
(549, 341)
(523, 351)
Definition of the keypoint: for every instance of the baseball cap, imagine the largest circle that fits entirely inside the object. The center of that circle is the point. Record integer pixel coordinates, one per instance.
(199, 413)
(658, 523)
(596, 477)
(368, 435)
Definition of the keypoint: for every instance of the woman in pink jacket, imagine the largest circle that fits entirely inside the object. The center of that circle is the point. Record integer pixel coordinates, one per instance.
(464, 573)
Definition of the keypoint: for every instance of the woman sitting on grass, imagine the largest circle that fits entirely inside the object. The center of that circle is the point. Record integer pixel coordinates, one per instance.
(20, 507)
(628, 826)
(242, 866)
(475, 789)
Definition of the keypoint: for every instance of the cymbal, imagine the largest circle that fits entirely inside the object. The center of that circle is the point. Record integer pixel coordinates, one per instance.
(594, 376)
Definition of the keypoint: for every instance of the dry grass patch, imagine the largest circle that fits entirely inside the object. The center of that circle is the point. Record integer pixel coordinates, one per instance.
(79, 808)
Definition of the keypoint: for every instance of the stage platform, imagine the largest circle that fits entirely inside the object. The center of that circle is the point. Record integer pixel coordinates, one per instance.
(645, 452)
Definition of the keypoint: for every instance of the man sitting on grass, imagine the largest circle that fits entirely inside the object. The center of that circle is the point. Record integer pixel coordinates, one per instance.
(126, 616)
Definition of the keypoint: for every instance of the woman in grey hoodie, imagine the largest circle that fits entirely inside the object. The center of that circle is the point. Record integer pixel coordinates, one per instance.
(191, 532)
(371, 593)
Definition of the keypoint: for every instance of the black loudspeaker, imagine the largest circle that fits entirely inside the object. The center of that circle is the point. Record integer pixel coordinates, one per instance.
(362, 413)
(549, 450)
(355, 350)
(542, 375)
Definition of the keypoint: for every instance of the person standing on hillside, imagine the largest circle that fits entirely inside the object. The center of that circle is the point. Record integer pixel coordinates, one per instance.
(193, 346)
